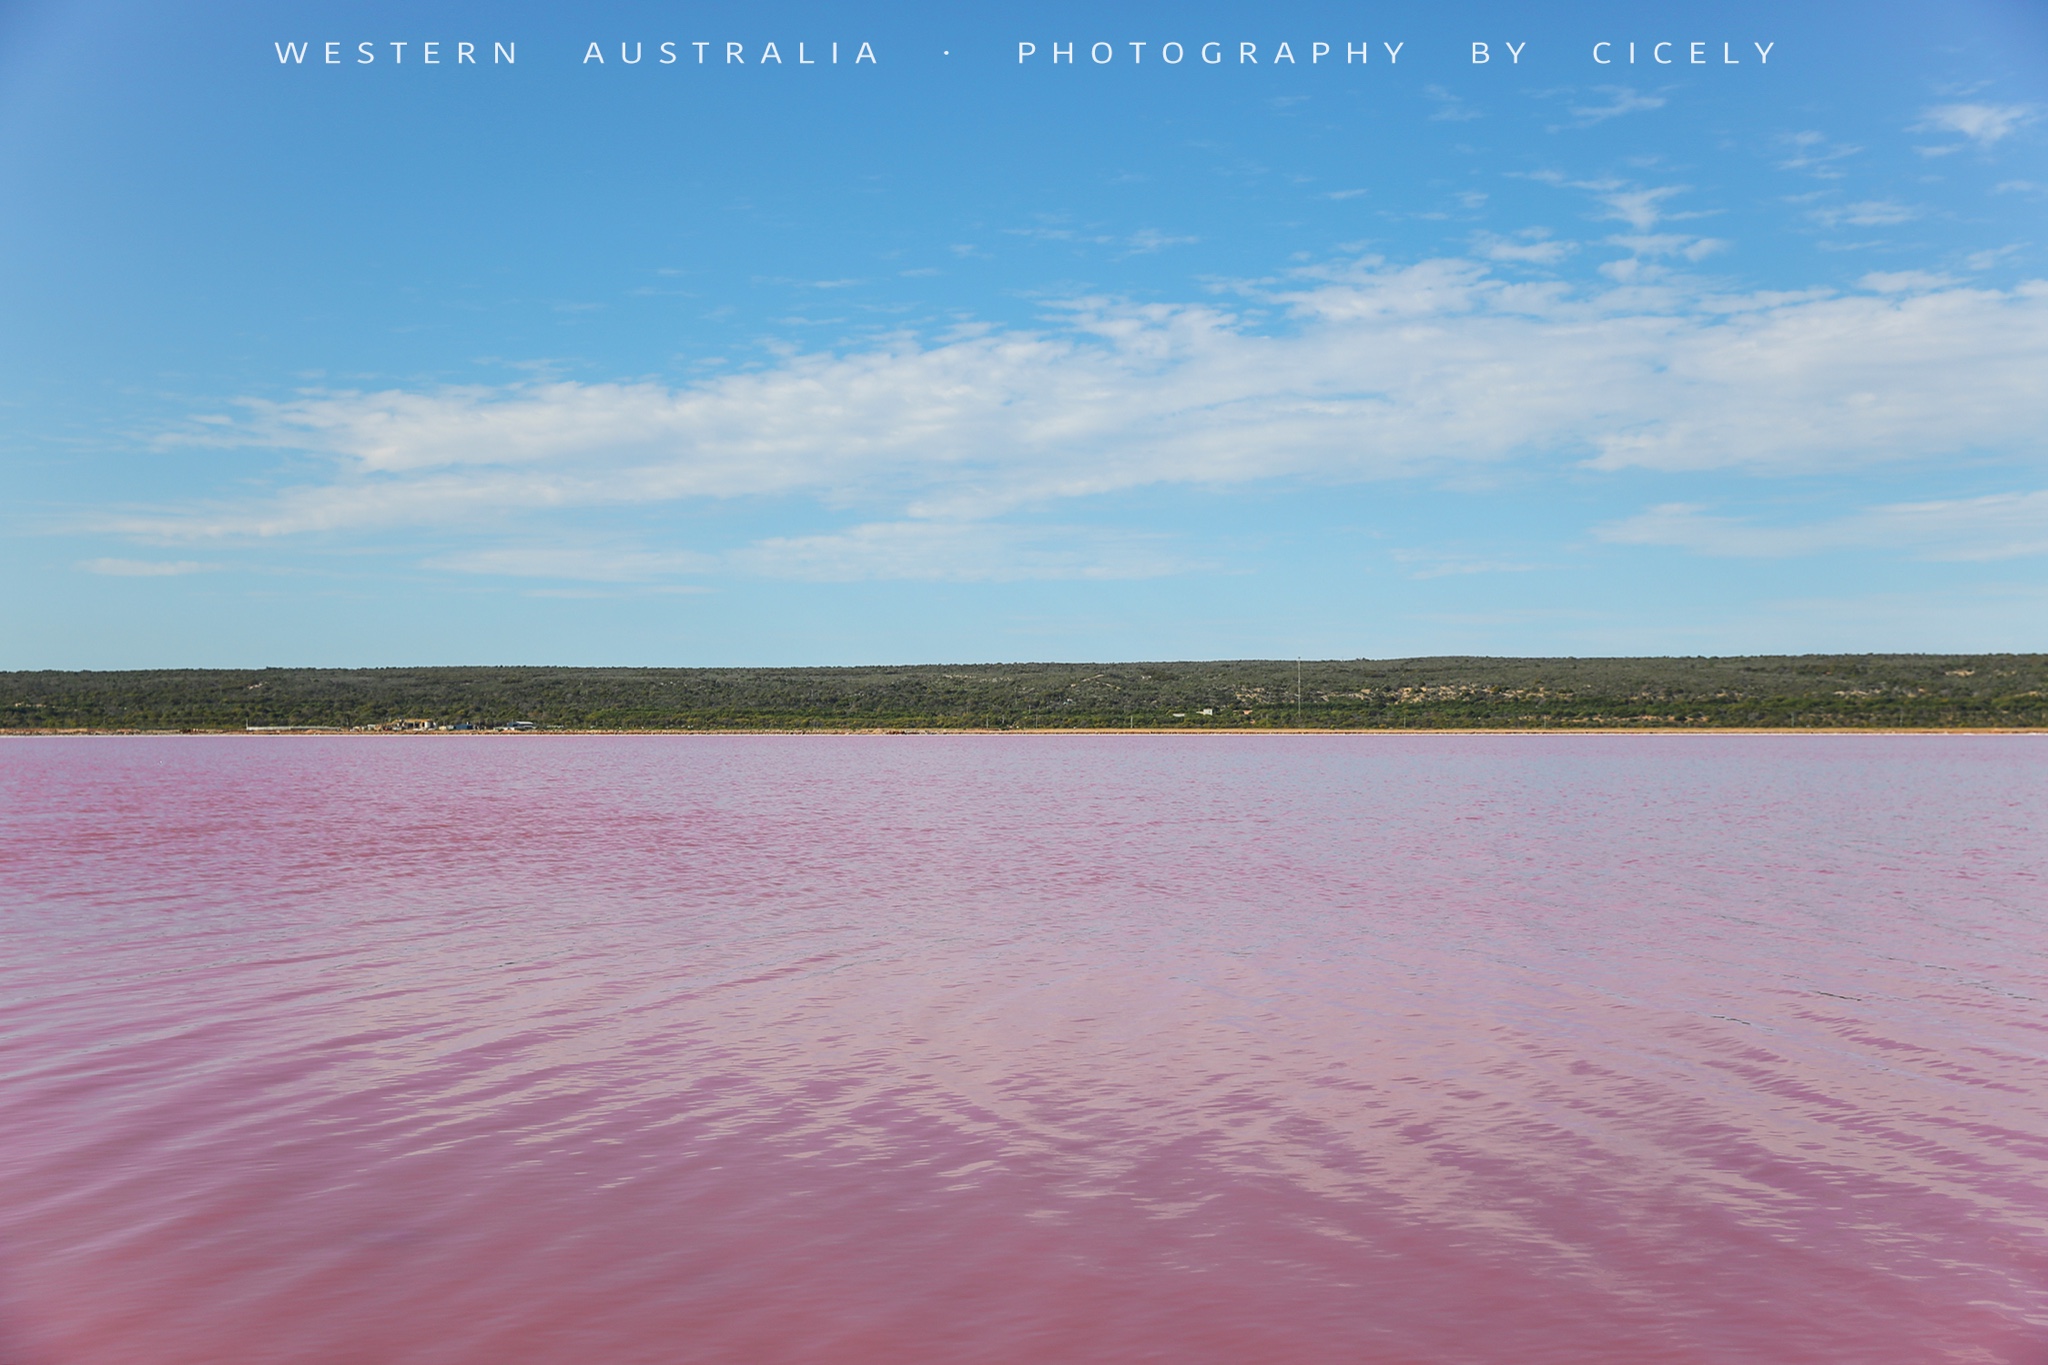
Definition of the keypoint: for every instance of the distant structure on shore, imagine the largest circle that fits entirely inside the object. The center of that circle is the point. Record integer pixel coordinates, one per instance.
(419, 725)
(410, 725)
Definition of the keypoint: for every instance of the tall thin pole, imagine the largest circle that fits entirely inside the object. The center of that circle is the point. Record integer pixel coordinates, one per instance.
(1297, 691)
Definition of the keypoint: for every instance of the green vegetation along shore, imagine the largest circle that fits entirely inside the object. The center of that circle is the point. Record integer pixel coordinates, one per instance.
(1815, 691)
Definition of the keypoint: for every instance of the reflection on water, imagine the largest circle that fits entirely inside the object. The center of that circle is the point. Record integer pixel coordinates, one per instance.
(1276, 1049)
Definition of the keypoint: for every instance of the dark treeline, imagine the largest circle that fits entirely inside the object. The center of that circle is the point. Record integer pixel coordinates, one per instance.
(1815, 690)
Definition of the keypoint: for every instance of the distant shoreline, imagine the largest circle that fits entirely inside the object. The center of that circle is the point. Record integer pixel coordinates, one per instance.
(1766, 694)
(1239, 732)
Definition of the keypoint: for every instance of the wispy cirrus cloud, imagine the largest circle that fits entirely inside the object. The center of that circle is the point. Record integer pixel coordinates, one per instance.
(589, 563)
(1427, 564)
(146, 568)
(929, 550)
(1907, 281)
(1142, 242)
(1353, 370)
(958, 551)
(1145, 241)
(1530, 246)
(1641, 209)
(1815, 154)
(1984, 124)
(1619, 100)
(1450, 108)
(1865, 213)
(1998, 526)
(1678, 244)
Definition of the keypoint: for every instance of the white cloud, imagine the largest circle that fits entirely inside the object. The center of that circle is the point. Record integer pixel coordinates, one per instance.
(960, 551)
(1813, 153)
(1426, 564)
(1905, 281)
(2000, 526)
(1355, 371)
(1868, 213)
(1640, 209)
(1670, 244)
(1993, 256)
(1983, 124)
(1620, 100)
(1530, 246)
(594, 564)
(930, 550)
(1450, 108)
(145, 568)
(1145, 241)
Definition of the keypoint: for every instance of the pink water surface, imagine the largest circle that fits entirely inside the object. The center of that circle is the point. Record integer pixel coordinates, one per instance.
(1024, 1048)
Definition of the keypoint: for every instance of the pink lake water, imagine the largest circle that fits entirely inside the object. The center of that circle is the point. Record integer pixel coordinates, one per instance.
(1431, 1049)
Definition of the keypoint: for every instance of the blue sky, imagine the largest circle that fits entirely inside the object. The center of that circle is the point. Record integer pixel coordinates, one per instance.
(952, 356)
